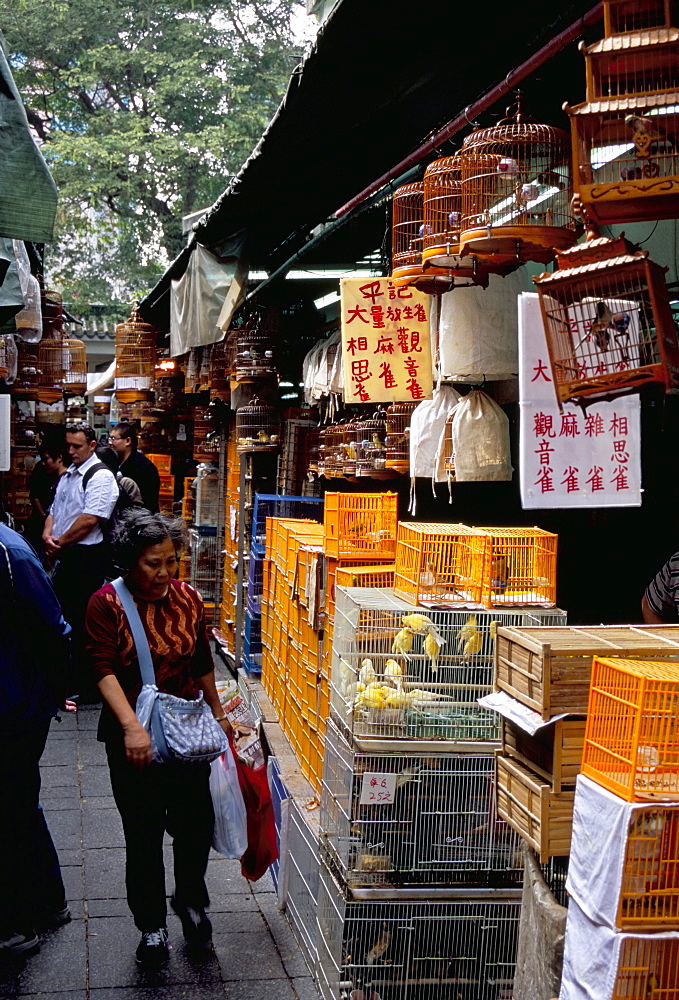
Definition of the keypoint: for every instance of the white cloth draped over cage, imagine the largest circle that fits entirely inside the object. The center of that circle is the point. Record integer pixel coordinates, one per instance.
(593, 955)
(427, 426)
(204, 299)
(322, 371)
(478, 330)
(481, 446)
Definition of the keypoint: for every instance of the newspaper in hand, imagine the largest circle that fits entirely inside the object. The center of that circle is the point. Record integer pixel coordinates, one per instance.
(246, 742)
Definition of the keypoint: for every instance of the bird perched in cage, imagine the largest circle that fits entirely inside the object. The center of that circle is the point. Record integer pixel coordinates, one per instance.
(377, 443)
(467, 631)
(367, 672)
(357, 529)
(380, 947)
(393, 671)
(432, 647)
(601, 327)
(403, 642)
(472, 646)
(352, 450)
(263, 437)
(417, 622)
(499, 572)
(647, 130)
(428, 578)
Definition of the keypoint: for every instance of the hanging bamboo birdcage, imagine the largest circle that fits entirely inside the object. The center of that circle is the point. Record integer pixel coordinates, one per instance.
(373, 433)
(516, 191)
(257, 427)
(135, 359)
(220, 384)
(168, 382)
(625, 136)
(322, 458)
(407, 237)
(254, 356)
(63, 368)
(608, 320)
(441, 230)
(334, 451)
(351, 446)
(27, 381)
(397, 442)
(205, 436)
(51, 307)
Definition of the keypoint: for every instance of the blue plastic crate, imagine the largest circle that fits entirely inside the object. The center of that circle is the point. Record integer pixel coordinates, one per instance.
(252, 664)
(252, 643)
(255, 582)
(272, 505)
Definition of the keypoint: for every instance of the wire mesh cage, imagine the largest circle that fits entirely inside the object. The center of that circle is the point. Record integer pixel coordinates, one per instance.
(630, 741)
(361, 524)
(608, 320)
(516, 191)
(204, 562)
(257, 427)
(301, 874)
(206, 511)
(441, 946)
(397, 441)
(399, 817)
(407, 234)
(136, 353)
(400, 674)
(206, 436)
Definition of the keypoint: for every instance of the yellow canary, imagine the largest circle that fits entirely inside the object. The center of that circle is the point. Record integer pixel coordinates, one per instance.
(372, 697)
(377, 443)
(367, 672)
(418, 623)
(431, 648)
(393, 671)
(473, 645)
(403, 642)
(263, 437)
(493, 630)
(467, 631)
(398, 699)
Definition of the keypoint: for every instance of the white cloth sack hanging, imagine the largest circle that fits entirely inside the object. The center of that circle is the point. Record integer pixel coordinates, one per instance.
(198, 298)
(427, 425)
(478, 329)
(481, 440)
(591, 958)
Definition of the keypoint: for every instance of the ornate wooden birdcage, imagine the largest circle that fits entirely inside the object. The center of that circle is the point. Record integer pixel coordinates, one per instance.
(257, 427)
(63, 368)
(27, 381)
(373, 457)
(136, 353)
(407, 235)
(441, 230)
(516, 191)
(625, 155)
(220, 371)
(169, 384)
(397, 441)
(608, 320)
(205, 435)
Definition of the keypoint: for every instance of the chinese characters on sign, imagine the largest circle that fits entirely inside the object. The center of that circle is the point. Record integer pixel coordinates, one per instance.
(386, 349)
(378, 789)
(571, 457)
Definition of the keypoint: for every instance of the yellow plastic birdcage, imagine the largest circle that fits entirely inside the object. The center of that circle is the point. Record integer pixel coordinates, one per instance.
(608, 320)
(435, 564)
(647, 967)
(361, 524)
(380, 577)
(631, 744)
(518, 567)
(516, 191)
(136, 353)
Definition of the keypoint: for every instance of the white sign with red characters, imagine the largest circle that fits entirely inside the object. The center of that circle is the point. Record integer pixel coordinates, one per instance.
(571, 457)
(386, 350)
(378, 789)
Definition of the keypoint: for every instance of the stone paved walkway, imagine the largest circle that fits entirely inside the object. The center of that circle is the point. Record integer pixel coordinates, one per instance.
(92, 958)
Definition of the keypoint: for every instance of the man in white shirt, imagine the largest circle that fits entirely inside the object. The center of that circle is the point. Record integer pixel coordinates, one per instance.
(74, 538)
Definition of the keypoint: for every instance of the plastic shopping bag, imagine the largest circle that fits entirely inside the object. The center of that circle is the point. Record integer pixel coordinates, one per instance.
(230, 836)
(262, 842)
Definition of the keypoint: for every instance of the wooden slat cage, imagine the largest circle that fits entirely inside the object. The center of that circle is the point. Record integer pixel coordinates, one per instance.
(135, 359)
(621, 16)
(608, 320)
(516, 191)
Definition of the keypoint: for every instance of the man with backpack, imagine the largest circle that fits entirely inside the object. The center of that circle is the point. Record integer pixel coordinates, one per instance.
(74, 538)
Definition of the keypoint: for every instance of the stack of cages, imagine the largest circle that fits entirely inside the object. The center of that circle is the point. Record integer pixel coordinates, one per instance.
(420, 886)
(267, 505)
(204, 548)
(230, 565)
(624, 870)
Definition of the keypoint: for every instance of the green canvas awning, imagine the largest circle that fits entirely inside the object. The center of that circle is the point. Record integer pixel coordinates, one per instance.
(28, 195)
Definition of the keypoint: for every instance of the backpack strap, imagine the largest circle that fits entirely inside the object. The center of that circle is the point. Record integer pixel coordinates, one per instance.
(148, 674)
(90, 472)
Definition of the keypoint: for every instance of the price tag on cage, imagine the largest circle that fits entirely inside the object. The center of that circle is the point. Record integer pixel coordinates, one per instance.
(378, 789)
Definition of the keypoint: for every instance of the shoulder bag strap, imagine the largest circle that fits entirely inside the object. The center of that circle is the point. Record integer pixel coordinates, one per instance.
(90, 472)
(141, 643)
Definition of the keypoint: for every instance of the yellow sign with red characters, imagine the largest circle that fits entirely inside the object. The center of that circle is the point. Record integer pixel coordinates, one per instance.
(386, 350)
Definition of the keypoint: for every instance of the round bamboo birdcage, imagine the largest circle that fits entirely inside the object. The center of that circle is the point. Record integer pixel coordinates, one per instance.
(373, 430)
(254, 354)
(136, 353)
(63, 368)
(322, 450)
(27, 381)
(397, 441)
(205, 435)
(220, 384)
(334, 452)
(441, 230)
(351, 445)
(516, 191)
(257, 427)
(407, 235)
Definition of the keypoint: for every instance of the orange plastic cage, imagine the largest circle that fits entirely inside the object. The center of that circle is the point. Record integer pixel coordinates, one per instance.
(361, 524)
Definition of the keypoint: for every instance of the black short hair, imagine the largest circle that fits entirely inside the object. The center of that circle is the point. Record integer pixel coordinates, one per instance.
(127, 430)
(108, 456)
(82, 428)
(54, 445)
(138, 529)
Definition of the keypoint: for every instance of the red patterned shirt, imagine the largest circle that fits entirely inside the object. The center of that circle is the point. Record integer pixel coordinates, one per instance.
(176, 631)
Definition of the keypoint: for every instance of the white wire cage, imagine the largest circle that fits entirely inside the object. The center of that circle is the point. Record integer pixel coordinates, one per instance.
(401, 817)
(398, 673)
(301, 866)
(439, 945)
(204, 562)
(206, 510)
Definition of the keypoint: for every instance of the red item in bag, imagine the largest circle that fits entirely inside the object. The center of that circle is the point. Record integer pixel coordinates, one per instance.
(262, 847)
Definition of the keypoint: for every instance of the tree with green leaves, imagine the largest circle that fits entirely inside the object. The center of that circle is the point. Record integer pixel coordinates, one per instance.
(145, 109)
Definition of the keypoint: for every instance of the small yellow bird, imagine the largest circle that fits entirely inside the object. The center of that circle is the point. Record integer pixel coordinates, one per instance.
(367, 672)
(393, 671)
(403, 642)
(417, 622)
(473, 645)
(432, 647)
(467, 631)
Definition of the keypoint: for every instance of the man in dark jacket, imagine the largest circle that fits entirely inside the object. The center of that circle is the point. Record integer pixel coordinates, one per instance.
(134, 465)
(34, 663)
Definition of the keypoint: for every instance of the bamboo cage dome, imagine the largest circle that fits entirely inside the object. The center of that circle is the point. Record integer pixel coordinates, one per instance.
(608, 320)
(257, 427)
(136, 353)
(516, 191)
(407, 236)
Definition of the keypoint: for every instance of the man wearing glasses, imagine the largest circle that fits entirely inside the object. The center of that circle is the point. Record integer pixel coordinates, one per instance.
(134, 465)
